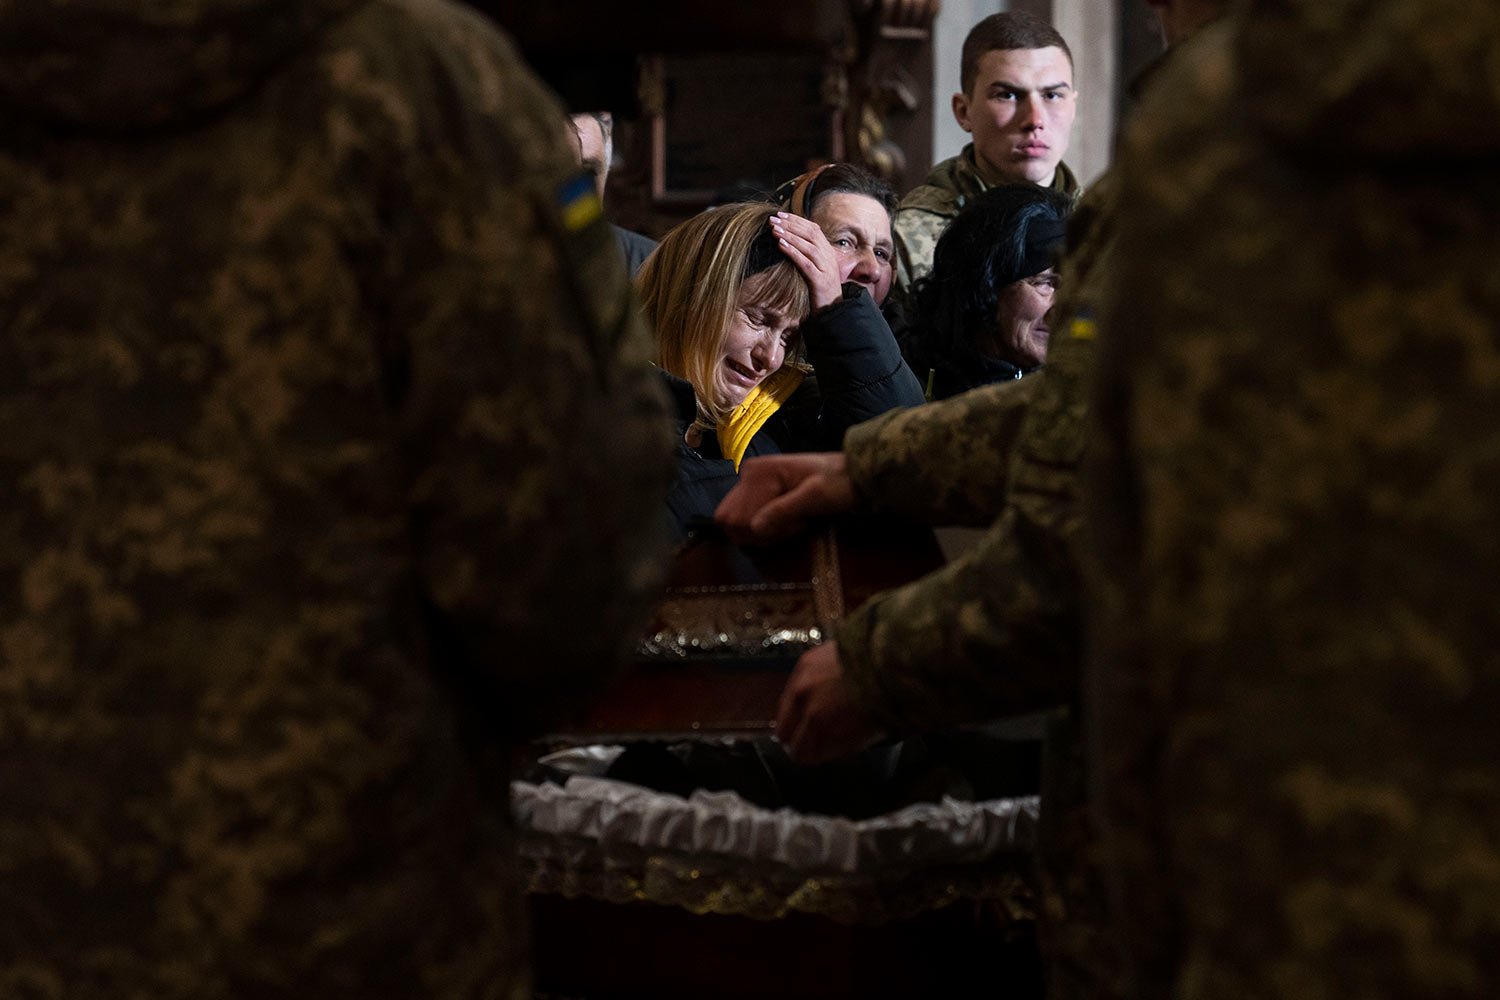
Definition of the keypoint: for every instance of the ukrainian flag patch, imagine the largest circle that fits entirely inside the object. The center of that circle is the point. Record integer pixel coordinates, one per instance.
(1082, 329)
(578, 203)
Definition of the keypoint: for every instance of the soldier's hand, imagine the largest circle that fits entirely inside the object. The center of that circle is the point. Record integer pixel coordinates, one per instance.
(805, 245)
(778, 494)
(816, 721)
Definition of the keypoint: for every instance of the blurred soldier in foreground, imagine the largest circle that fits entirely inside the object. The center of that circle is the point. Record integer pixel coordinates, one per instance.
(302, 329)
(1298, 675)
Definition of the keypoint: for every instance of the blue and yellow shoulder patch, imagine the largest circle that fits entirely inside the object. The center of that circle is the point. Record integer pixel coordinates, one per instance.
(578, 203)
(1081, 328)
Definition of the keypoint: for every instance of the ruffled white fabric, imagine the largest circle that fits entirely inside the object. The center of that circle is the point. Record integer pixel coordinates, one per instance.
(614, 814)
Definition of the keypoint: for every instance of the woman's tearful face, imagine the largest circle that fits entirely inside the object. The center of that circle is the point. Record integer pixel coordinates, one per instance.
(758, 340)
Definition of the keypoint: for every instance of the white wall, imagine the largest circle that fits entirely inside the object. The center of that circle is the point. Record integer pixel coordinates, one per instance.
(1092, 29)
(954, 19)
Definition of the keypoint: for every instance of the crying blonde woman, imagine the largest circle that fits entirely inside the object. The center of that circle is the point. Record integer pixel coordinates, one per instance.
(763, 345)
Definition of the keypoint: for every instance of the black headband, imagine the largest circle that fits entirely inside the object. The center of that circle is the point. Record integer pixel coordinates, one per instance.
(1044, 243)
(765, 252)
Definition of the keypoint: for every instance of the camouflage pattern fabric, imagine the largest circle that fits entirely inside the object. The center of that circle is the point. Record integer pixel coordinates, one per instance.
(996, 631)
(942, 464)
(1297, 678)
(999, 630)
(1082, 956)
(330, 447)
(926, 211)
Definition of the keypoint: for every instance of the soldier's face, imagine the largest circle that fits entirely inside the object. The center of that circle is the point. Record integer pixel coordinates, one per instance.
(1020, 113)
(860, 230)
(757, 342)
(1021, 319)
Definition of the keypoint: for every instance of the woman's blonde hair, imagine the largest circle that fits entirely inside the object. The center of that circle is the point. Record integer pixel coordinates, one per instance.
(690, 286)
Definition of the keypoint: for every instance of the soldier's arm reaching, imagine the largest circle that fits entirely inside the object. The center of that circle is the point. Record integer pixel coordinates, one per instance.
(778, 495)
(944, 463)
(817, 720)
(994, 632)
(941, 464)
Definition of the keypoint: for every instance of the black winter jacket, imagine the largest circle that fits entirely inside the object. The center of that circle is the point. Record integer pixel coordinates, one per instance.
(858, 373)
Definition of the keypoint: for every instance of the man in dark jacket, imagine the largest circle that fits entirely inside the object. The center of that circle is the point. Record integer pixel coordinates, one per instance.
(298, 311)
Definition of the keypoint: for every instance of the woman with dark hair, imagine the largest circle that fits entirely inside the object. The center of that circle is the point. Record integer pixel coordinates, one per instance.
(981, 315)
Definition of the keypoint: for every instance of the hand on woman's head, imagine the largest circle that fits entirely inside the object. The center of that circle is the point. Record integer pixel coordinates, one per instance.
(805, 246)
(858, 228)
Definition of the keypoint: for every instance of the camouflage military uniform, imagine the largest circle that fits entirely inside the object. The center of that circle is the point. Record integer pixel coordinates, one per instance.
(999, 631)
(996, 630)
(326, 476)
(1298, 676)
(927, 210)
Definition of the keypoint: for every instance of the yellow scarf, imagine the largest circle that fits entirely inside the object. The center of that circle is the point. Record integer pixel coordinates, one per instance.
(745, 420)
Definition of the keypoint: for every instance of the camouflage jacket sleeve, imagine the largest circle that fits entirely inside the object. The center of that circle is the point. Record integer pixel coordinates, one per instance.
(535, 429)
(944, 463)
(916, 231)
(996, 631)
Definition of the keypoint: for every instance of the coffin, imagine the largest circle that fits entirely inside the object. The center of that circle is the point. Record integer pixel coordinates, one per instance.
(733, 621)
(710, 825)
